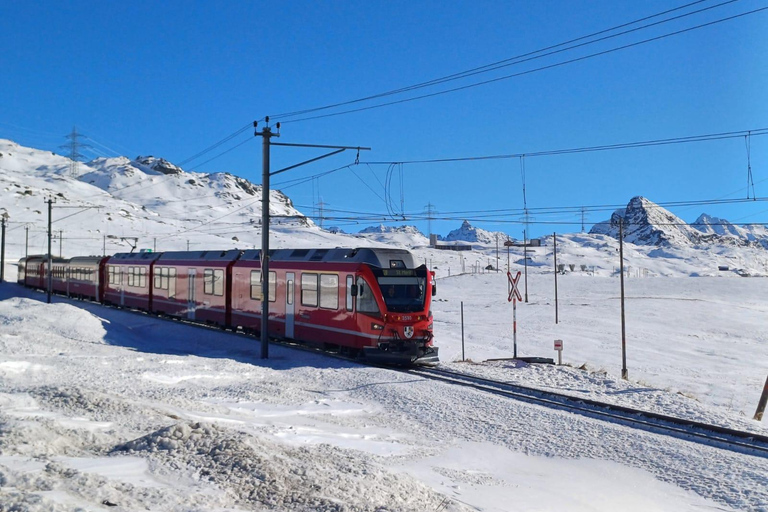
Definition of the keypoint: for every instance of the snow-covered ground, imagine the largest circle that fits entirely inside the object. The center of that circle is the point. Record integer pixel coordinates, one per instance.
(107, 406)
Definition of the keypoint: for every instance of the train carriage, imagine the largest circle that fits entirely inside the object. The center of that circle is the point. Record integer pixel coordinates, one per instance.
(59, 279)
(194, 285)
(128, 280)
(84, 277)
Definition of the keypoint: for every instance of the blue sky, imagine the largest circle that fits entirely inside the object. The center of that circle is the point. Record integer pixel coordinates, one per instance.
(170, 79)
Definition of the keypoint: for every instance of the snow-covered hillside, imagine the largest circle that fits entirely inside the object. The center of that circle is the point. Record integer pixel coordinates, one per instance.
(117, 204)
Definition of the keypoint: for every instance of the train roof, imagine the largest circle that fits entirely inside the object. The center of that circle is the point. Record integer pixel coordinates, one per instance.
(85, 260)
(225, 255)
(42, 257)
(130, 257)
(378, 257)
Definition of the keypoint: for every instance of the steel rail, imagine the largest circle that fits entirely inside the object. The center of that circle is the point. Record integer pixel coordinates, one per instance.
(749, 443)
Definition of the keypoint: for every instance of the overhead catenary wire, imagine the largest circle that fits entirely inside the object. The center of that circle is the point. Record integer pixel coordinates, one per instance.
(521, 73)
(492, 66)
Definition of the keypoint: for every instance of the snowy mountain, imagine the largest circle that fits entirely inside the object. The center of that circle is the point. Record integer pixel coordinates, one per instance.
(646, 223)
(468, 233)
(381, 228)
(110, 200)
(714, 225)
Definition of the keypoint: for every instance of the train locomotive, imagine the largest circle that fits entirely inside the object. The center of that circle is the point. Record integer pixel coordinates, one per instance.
(374, 303)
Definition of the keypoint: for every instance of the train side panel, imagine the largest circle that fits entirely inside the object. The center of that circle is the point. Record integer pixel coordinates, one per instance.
(128, 280)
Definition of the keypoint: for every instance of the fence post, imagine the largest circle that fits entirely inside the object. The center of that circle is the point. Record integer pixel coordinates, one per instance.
(462, 331)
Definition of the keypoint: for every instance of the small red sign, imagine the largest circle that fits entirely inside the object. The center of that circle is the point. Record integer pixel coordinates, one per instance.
(558, 344)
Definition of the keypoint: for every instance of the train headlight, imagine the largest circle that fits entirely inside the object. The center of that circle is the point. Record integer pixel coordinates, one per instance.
(429, 327)
(377, 327)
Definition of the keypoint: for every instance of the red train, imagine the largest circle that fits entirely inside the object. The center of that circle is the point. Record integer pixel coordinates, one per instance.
(371, 302)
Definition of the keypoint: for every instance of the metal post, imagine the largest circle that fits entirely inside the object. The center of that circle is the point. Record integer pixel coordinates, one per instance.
(763, 401)
(497, 252)
(508, 244)
(525, 262)
(514, 327)
(624, 374)
(61, 236)
(154, 245)
(266, 134)
(462, 331)
(26, 242)
(104, 246)
(50, 259)
(554, 240)
(2, 252)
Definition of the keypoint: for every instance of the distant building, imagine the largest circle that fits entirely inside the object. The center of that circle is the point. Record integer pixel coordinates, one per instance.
(452, 246)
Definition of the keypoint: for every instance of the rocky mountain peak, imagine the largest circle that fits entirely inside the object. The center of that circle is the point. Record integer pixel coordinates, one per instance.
(158, 164)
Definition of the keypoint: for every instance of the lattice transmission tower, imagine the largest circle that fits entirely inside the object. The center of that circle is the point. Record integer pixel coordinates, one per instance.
(74, 147)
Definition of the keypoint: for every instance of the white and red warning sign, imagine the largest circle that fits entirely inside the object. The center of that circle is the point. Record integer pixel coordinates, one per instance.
(513, 282)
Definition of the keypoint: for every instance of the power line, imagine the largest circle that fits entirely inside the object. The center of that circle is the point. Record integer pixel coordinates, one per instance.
(480, 69)
(215, 145)
(514, 75)
(587, 149)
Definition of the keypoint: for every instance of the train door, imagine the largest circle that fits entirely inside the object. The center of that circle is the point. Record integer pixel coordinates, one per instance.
(289, 304)
(191, 305)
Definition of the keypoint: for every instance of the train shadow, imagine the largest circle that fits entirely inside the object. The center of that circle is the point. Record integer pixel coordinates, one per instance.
(146, 333)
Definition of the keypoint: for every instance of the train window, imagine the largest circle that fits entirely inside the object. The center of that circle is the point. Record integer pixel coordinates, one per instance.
(130, 276)
(329, 291)
(213, 282)
(309, 290)
(272, 286)
(218, 282)
(208, 281)
(256, 285)
(350, 281)
(143, 277)
(289, 292)
(158, 281)
(366, 302)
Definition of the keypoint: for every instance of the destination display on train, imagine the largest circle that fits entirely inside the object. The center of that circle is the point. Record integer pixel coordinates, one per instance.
(398, 272)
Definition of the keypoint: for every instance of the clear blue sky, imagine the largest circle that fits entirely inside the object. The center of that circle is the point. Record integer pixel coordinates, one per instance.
(171, 78)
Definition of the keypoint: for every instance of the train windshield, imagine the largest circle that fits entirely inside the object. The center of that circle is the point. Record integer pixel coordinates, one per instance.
(403, 294)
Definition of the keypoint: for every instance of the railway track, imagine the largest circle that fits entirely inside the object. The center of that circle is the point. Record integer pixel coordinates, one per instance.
(748, 443)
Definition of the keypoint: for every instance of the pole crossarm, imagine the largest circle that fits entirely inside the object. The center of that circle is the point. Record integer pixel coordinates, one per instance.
(321, 146)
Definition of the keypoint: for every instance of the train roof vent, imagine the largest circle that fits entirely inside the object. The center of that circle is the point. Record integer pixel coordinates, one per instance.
(318, 255)
(299, 253)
